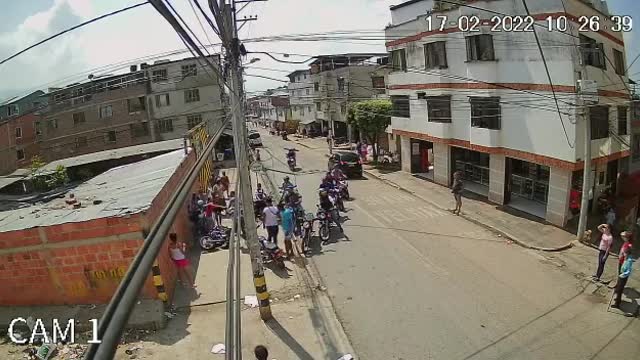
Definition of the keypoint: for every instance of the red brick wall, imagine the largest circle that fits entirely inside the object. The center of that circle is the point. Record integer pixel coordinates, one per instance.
(181, 225)
(73, 263)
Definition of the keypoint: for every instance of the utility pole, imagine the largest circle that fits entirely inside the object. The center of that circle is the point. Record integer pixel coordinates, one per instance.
(229, 29)
(586, 157)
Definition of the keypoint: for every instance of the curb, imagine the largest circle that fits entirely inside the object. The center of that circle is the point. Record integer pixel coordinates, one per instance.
(494, 229)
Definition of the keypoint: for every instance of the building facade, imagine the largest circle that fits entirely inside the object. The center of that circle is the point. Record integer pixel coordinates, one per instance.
(18, 141)
(182, 94)
(478, 99)
(102, 114)
(339, 80)
(301, 100)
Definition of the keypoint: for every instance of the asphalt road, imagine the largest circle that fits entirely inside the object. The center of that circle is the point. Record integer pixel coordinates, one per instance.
(410, 281)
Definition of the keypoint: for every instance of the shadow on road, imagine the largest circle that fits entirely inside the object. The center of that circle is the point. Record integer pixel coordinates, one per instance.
(286, 338)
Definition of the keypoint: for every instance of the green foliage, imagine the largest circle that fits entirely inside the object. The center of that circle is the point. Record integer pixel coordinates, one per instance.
(43, 181)
(371, 117)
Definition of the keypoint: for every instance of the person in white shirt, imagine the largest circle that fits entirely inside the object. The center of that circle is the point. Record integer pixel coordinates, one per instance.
(270, 216)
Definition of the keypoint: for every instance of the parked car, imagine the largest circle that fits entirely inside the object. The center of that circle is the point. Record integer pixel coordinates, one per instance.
(349, 162)
(254, 139)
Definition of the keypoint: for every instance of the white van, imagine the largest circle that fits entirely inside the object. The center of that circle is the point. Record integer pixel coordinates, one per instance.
(254, 139)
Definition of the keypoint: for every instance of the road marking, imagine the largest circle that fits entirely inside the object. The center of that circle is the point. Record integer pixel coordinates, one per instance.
(435, 269)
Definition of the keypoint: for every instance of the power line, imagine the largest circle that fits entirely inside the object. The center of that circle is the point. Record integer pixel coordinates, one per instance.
(71, 29)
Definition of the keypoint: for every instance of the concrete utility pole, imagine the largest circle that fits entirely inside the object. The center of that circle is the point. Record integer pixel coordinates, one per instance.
(586, 157)
(229, 30)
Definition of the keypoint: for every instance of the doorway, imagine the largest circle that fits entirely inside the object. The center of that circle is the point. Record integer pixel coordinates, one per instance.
(528, 187)
(422, 158)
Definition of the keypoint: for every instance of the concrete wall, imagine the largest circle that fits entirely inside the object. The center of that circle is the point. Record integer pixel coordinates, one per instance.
(559, 192)
(442, 164)
(405, 153)
(497, 164)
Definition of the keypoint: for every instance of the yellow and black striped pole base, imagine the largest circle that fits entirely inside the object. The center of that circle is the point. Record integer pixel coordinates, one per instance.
(263, 296)
(159, 284)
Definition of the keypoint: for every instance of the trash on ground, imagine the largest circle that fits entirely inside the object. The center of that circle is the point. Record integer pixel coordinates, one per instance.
(251, 300)
(346, 357)
(45, 351)
(218, 349)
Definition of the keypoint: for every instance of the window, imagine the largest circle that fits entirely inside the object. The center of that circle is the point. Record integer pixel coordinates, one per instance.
(13, 110)
(139, 130)
(480, 48)
(316, 86)
(162, 100)
(422, 96)
(37, 104)
(635, 148)
(38, 128)
(20, 154)
(622, 120)
(599, 116)
(193, 120)
(400, 106)
(299, 92)
(435, 55)
(293, 79)
(106, 111)
(398, 60)
(618, 60)
(135, 105)
(189, 70)
(192, 95)
(302, 110)
(307, 91)
(78, 118)
(485, 112)
(81, 142)
(340, 84)
(111, 136)
(592, 52)
(304, 75)
(159, 75)
(343, 109)
(52, 124)
(318, 106)
(165, 126)
(439, 109)
(18, 132)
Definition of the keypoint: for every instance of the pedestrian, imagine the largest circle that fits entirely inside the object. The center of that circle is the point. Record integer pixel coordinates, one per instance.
(209, 218)
(606, 239)
(625, 249)
(261, 352)
(456, 189)
(358, 147)
(257, 155)
(270, 216)
(219, 206)
(288, 226)
(224, 180)
(625, 272)
(218, 189)
(177, 252)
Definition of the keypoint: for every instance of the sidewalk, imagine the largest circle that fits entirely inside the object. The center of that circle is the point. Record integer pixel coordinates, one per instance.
(512, 224)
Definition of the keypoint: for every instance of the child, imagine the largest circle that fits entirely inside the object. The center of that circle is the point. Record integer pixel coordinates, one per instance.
(177, 252)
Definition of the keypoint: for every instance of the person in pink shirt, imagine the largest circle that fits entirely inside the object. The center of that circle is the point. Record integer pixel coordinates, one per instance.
(606, 240)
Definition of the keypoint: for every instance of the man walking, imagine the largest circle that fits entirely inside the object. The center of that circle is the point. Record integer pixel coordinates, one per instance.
(270, 221)
(456, 189)
(625, 272)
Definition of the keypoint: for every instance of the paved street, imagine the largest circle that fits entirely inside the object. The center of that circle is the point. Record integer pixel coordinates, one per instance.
(410, 281)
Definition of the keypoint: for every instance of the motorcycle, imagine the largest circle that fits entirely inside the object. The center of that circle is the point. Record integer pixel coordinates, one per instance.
(218, 237)
(271, 252)
(284, 135)
(343, 186)
(324, 221)
(291, 161)
(336, 196)
(307, 231)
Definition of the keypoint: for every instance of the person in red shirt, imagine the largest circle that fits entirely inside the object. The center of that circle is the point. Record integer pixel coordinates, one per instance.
(626, 248)
(575, 196)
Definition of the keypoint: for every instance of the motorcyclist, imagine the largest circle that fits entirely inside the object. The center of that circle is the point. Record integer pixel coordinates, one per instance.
(338, 174)
(328, 183)
(326, 203)
(260, 194)
(291, 154)
(286, 184)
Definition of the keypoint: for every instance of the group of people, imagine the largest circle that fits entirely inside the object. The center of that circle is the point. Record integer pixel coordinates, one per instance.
(206, 209)
(625, 259)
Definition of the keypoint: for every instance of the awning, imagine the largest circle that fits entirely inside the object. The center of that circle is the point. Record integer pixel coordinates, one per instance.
(307, 121)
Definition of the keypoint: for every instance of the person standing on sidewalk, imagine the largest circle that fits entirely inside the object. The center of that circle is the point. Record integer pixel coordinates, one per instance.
(606, 240)
(288, 225)
(625, 272)
(224, 180)
(456, 189)
(626, 248)
(270, 221)
(177, 252)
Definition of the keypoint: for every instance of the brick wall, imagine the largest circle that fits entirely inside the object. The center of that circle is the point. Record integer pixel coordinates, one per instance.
(72, 263)
(10, 144)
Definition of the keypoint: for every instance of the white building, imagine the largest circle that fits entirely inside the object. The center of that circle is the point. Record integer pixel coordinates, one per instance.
(339, 80)
(481, 101)
(183, 93)
(301, 99)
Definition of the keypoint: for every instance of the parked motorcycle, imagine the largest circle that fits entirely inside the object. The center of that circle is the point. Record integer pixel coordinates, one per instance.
(307, 231)
(218, 237)
(271, 252)
(324, 219)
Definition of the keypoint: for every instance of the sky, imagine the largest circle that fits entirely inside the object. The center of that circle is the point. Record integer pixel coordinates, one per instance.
(142, 32)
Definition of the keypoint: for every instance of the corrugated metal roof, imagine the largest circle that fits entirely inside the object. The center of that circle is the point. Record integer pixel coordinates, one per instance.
(127, 189)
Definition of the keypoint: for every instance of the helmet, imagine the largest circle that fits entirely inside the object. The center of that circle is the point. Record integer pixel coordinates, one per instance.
(200, 203)
(323, 192)
(286, 178)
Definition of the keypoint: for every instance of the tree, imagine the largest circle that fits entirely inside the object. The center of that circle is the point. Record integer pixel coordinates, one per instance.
(43, 181)
(371, 117)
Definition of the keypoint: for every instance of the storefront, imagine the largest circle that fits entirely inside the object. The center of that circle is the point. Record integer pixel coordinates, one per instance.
(527, 187)
(422, 158)
(474, 166)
